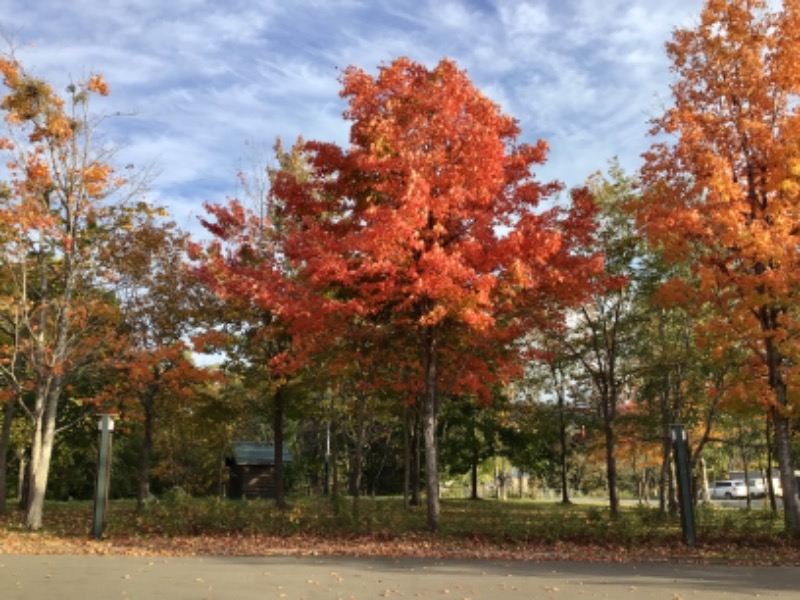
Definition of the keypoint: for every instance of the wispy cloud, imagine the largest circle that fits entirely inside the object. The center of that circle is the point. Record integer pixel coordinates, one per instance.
(206, 77)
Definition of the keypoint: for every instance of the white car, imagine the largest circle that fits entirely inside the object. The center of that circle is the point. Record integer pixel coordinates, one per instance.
(728, 489)
(757, 488)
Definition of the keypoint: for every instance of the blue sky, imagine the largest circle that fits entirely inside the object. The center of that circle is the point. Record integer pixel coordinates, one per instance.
(212, 83)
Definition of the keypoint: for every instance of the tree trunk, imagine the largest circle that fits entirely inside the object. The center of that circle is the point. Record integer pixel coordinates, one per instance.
(672, 491)
(611, 468)
(406, 458)
(474, 480)
(429, 428)
(23, 480)
(503, 488)
(43, 438)
(704, 475)
(666, 486)
(666, 502)
(357, 459)
(745, 457)
(609, 400)
(474, 476)
(143, 487)
(334, 489)
(49, 381)
(558, 381)
(474, 458)
(358, 456)
(791, 509)
(221, 468)
(277, 426)
(663, 503)
(416, 467)
(783, 438)
(496, 474)
(5, 440)
(773, 503)
(562, 451)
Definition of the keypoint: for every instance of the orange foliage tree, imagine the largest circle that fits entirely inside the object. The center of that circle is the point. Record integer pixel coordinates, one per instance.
(55, 211)
(431, 223)
(159, 301)
(725, 192)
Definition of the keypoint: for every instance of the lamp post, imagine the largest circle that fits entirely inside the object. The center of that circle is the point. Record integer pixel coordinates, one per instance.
(681, 447)
(105, 426)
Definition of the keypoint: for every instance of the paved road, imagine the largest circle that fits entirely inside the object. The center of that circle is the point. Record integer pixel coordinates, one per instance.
(28, 577)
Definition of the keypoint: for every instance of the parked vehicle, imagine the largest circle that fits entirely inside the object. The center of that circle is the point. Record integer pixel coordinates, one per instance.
(757, 488)
(728, 489)
(761, 481)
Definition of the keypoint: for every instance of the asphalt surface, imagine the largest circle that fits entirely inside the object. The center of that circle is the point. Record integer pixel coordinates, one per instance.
(34, 577)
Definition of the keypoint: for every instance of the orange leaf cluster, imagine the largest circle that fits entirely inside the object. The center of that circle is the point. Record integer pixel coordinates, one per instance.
(430, 221)
(723, 196)
(97, 85)
(96, 179)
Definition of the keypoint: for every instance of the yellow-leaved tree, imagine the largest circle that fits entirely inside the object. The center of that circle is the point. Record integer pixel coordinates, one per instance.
(723, 189)
(57, 206)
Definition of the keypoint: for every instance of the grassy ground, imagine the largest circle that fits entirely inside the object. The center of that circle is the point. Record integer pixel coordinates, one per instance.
(179, 524)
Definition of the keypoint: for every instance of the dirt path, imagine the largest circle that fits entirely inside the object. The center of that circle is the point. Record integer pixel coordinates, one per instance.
(32, 577)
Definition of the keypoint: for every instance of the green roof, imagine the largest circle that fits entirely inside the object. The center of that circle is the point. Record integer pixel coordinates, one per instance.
(256, 453)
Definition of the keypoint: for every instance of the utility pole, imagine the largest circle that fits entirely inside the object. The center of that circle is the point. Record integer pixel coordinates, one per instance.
(105, 426)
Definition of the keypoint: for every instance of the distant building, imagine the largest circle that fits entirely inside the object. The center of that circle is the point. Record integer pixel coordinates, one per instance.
(252, 470)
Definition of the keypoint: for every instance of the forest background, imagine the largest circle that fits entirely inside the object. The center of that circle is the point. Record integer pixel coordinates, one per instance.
(417, 309)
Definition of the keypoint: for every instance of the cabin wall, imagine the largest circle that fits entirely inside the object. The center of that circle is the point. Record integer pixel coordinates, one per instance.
(252, 481)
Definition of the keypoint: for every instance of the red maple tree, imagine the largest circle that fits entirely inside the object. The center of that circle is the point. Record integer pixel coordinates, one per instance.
(432, 223)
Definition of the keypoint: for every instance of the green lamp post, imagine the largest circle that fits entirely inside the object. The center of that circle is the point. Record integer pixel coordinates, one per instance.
(681, 448)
